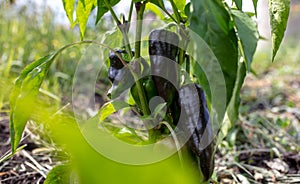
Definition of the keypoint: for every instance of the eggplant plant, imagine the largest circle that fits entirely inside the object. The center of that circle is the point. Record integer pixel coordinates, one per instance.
(172, 89)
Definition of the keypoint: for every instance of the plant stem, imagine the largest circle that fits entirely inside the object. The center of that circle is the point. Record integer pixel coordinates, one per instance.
(130, 11)
(188, 64)
(183, 43)
(126, 42)
(175, 10)
(140, 7)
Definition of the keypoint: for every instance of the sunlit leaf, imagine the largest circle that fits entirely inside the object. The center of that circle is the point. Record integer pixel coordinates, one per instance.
(248, 34)
(83, 10)
(69, 9)
(23, 96)
(180, 4)
(110, 108)
(279, 13)
(25, 91)
(127, 135)
(153, 8)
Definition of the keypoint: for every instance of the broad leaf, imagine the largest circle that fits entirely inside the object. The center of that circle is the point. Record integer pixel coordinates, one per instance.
(279, 13)
(58, 175)
(248, 34)
(24, 94)
(102, 8)
(83, 10)
(110, 108)
(239, 4)
(69, 9)
(26, 89)
(180, 4)
(211, 21)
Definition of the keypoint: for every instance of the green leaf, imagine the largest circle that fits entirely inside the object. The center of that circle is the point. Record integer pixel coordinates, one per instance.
(23, 96)
(233, 107)
(59, 174)
(111, 107)
(102, 8)
(255, 6)
(239, 4)
(180, 4)
(128, 135)
(279, 13)
(159, 3)
(69, 9)
(153, 8)
(10, 154)
(248, 34)
(25, 91)
(83, 10)
(211, 21)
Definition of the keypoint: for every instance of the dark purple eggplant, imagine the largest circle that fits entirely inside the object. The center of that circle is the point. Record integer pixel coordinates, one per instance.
(163, 48)
(197, 123)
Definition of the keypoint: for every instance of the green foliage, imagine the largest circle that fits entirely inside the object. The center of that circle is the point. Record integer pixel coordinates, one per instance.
(234, 104)
(239, 4)
(211, 21)
(180, 4)
(83, 10)
(255, 6)
(102, 7)
(69, 8)
(60, 174)
(26, 89)
(248, 34)
(23, 96)
(110, 107)
(279, 14)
